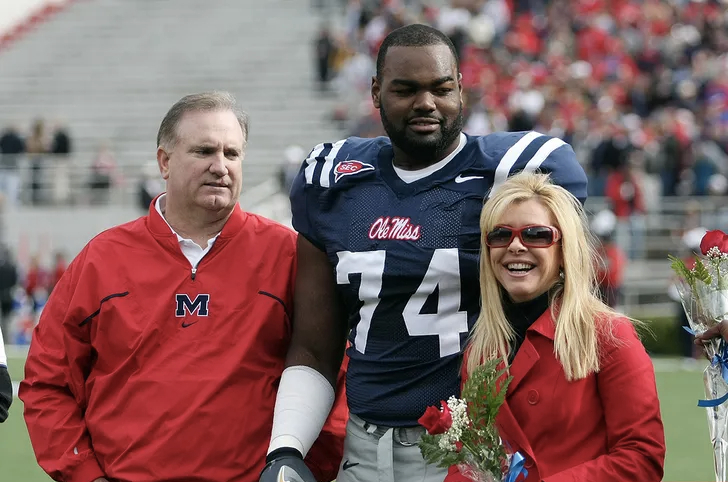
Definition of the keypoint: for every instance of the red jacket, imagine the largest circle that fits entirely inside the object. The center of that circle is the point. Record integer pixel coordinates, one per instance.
(603, 428)
(138, 372)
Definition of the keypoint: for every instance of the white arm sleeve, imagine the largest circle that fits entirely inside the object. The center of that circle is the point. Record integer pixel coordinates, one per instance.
(303, 403)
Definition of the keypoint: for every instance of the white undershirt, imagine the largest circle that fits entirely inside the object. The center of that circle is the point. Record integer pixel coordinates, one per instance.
(412, 176)
(192, 251)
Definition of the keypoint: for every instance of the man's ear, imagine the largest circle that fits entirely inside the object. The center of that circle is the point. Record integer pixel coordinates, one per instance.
(460, 86)
(163, 162)
(376, 92)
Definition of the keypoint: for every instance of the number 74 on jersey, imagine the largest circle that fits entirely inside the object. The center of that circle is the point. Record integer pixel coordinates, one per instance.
(443, 273)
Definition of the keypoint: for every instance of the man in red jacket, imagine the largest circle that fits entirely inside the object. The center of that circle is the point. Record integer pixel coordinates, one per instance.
(159, 353)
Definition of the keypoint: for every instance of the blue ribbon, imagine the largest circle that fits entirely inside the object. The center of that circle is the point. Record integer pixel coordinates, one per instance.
(516, 468)
(721, 358)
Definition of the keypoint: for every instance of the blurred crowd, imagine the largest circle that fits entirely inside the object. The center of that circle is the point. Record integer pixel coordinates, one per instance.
(24, 290)
(638, 87)
(37, 167)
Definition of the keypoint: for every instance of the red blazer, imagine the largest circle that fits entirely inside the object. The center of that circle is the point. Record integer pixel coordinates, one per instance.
(603, 428)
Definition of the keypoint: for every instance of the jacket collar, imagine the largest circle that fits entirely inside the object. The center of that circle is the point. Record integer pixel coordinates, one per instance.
(162, 232)
(523, 362)
(527, 355)
(545, 324)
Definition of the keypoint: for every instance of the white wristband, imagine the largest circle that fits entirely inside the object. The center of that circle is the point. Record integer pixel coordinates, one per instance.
(303, 403)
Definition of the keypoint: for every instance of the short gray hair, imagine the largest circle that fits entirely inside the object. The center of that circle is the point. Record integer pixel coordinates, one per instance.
(202, 102)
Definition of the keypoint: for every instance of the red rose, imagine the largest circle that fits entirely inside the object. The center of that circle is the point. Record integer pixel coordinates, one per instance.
(714, 238)
(458, 445)
(436, 421)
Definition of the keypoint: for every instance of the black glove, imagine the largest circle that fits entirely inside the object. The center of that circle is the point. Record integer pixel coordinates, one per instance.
(285, 465)
(6, 393)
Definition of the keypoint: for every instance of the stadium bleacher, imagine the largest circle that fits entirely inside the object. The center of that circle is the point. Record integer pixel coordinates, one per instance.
(111, 68)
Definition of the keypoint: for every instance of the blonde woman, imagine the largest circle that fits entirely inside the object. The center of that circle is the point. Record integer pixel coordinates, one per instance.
(582, 405)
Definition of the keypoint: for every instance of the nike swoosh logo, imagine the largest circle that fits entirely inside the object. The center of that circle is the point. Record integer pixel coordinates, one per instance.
(347, 465)
(185, 325)
(460, 178)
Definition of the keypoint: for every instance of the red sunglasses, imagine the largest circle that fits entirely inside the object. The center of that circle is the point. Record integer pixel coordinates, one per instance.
(532, 236)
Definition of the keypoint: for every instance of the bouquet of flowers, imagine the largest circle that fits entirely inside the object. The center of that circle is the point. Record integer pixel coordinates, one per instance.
(703, 290)
(462, 431)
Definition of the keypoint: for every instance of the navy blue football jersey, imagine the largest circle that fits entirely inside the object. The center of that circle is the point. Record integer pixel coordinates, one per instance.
(406, 255)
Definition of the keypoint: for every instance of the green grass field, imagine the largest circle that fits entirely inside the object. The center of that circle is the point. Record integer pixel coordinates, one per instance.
(688, 447)
(16, 456)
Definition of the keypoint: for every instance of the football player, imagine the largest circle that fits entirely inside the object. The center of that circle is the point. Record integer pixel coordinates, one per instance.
(388, 256)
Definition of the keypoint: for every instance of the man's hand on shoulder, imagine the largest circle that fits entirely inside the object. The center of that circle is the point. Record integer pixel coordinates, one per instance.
(286, 465)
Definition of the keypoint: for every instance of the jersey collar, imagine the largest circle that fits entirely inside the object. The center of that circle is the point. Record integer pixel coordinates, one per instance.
(458, 162)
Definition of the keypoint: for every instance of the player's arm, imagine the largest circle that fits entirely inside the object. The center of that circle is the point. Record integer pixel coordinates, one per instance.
(324, 458)
(53, 390)
(306, 391)
(319, 332)
(514, 152)
(566, 171)
(6, 386)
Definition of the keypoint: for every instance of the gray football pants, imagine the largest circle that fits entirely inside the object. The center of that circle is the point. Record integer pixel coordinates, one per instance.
(384, 454)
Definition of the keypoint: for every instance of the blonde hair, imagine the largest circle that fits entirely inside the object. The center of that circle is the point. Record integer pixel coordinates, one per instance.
(581, 313)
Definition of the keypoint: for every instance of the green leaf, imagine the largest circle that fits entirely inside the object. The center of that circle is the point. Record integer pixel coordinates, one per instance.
(452, 458)
(678, 266)
(430, 449)
(701, 272)
(484, 392)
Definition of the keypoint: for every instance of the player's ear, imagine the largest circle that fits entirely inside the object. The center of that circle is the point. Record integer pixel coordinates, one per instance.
(163, 162)
(376, 91)
(460, 85)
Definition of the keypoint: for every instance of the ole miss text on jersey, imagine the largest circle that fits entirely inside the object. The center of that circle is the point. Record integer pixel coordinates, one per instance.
(406, 256)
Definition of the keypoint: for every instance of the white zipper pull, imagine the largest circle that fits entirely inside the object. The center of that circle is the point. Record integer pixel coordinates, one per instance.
(194, 272)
